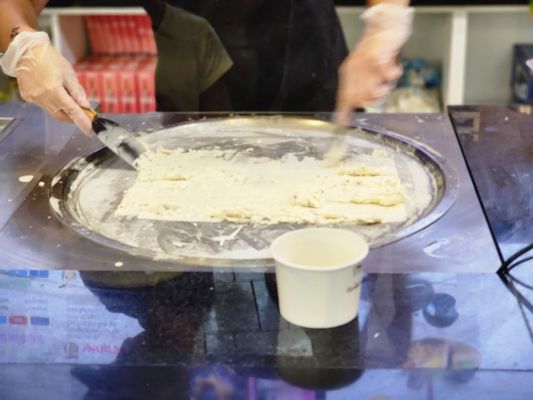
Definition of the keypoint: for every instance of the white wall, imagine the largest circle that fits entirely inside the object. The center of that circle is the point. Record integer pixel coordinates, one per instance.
(489, 54)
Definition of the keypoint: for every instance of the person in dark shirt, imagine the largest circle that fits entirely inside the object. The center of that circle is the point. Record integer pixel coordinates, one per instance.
(285, 55)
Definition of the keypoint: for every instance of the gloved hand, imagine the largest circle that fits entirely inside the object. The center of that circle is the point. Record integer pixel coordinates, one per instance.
(46, 78)
(370, 71)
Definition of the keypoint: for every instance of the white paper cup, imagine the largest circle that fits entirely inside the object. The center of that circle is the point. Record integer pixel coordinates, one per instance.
(318, 274)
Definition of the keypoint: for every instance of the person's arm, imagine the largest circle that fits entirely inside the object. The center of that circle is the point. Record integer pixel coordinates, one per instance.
(18, 16)
(370, 71)
(44, 76)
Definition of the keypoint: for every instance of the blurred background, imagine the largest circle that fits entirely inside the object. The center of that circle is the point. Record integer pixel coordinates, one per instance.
(461, 52)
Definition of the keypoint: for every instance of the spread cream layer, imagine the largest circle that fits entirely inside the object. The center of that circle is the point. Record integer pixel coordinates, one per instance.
(225, 185)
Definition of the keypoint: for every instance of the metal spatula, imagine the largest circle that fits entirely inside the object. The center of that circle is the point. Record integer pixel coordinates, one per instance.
(339, 145)
(119, 140)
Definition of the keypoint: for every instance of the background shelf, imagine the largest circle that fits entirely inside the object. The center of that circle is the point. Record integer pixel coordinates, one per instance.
(472, 44)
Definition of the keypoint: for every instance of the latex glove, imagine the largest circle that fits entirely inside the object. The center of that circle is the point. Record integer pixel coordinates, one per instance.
(370, 71)
(46, 78)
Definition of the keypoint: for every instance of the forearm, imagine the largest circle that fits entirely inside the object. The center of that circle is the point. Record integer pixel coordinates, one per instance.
(17, 16)
(369, 72)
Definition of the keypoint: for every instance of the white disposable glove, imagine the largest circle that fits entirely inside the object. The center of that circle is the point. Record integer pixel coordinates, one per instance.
(370, 71)
(46, 78)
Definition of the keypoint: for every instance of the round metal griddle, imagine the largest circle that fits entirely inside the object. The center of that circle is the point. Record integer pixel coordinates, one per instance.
(88, 190)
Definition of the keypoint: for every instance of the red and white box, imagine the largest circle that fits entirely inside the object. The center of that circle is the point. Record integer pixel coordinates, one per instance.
(121, 34)
(111, 91)
(93, 77)
(146, 84)
(122, 23)
(116, 40)
(120, 75)
(81, 68)
(128, 85)
(146, 34)
(133, 34)
(92, 33)
(88, 71)
(102, 34)
(111, 35)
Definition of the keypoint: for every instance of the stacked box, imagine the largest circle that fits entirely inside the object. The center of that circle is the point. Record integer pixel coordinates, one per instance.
(121, 84)
(128, 85)
(89, 75)
(146, 84)
(120, 75)
(111, 95)
(121, 34)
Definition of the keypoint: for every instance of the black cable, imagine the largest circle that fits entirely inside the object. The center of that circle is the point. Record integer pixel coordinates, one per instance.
(510, 281)
(504, 272)
(522, 301)
(507, 265)
(522, 261)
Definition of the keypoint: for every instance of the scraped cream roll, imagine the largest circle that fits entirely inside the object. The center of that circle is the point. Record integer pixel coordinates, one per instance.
(225, 185)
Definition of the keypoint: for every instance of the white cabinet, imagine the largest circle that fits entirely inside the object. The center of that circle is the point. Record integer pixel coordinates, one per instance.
(473, 45)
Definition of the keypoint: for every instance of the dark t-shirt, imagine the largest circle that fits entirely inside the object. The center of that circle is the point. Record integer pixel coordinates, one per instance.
(285, 53)
(191, 59)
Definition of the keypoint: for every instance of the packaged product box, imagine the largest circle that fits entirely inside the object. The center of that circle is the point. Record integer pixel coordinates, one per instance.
(152, 47)
(128, 84)
(102, 34)
(139, 32)
(120, 84)
(111, 85)
(125, 34)
(522, 76)
(113, 40)
(146, 33)
(81, 68)
(146, 84)
(133, 34)
(93, 34)
(95, 82)
(117, 39)
(88, 71)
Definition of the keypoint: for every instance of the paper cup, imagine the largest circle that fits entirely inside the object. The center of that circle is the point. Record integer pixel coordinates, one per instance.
(318, 274)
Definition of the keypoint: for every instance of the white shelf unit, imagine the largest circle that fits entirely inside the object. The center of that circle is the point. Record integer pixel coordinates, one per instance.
(472, 44)
(67, 27)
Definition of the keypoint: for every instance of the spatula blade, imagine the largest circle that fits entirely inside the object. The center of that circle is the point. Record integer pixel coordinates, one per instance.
(120, 141)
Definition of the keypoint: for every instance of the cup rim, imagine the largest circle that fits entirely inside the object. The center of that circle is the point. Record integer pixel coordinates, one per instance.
(318, 268)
